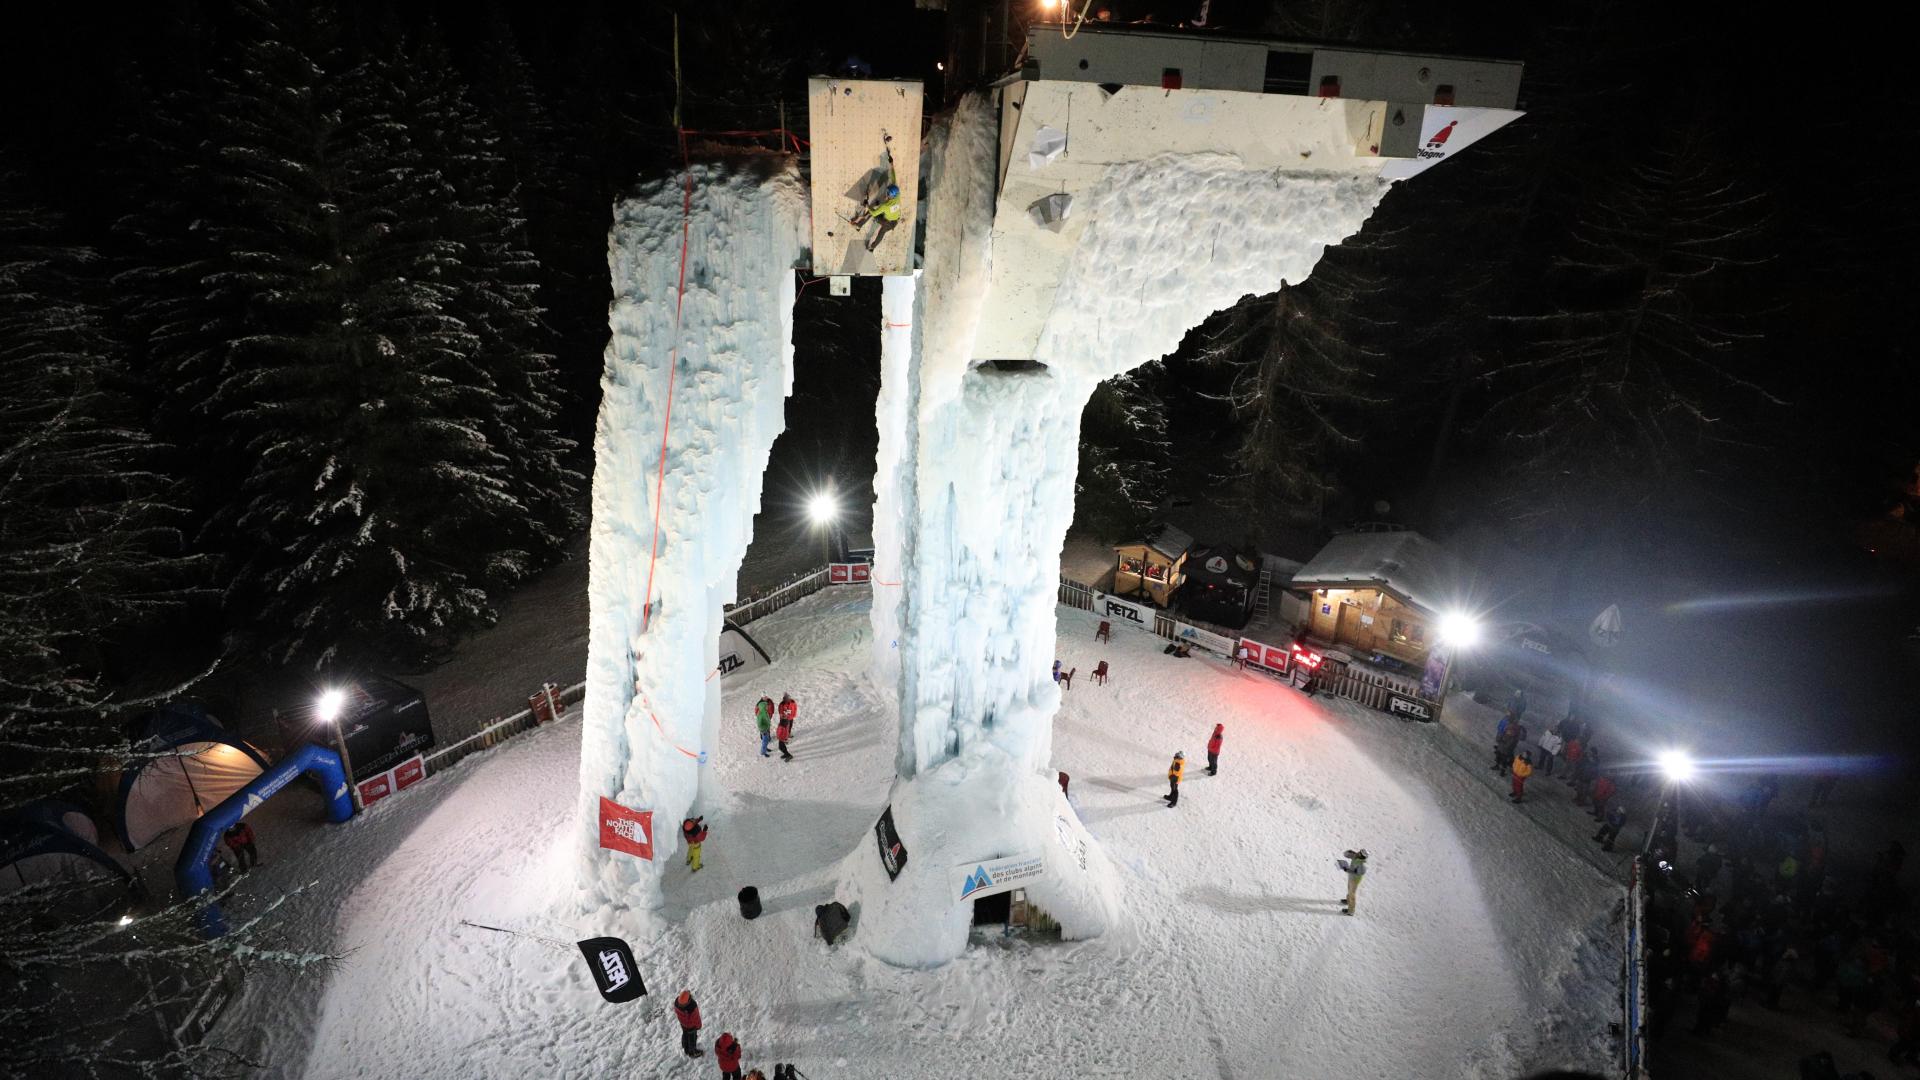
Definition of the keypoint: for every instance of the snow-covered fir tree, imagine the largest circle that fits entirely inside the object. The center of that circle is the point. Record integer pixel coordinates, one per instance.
(1301, 362)
(89, 540)
(341, 321)
(1126, 455)
(472, 202)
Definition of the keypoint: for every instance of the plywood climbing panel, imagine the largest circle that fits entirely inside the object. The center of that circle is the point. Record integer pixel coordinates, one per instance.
(865, 136)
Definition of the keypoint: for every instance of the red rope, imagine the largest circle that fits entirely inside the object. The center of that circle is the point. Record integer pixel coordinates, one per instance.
(673, 365)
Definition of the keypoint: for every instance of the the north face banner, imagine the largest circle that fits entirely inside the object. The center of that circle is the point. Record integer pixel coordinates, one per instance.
(893, 853)
(613, 967)
(623, 829)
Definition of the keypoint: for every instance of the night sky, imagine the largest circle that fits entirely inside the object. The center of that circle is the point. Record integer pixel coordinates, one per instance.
(1777, 502)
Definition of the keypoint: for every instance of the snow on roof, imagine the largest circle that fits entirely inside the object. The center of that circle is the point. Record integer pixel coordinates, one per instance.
(1166, 540)
(1406, 564)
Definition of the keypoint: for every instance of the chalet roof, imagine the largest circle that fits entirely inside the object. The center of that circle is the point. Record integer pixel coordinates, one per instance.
(1165, 539)
(1403, 564)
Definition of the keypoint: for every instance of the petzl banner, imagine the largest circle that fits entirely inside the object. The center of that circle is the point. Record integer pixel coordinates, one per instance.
(614, 970)
(623, 829)
(893, 853)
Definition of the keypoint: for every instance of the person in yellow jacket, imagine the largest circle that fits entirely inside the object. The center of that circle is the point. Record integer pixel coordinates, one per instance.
(1174, 772)
(1522, 768)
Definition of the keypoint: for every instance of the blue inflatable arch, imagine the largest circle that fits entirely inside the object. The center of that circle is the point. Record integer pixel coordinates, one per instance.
(190, 872)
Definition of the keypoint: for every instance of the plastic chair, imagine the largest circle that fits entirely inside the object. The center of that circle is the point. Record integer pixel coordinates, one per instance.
(1100, 674)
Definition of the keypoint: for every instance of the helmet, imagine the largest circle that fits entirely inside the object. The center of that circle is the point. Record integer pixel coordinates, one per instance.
(1180, 753)
(893, 191)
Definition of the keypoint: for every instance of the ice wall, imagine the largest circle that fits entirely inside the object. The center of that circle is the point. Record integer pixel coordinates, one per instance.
(651, 713)
(975, 491)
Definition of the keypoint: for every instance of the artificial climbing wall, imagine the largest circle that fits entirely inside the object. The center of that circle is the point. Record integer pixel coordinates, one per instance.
(855, 124)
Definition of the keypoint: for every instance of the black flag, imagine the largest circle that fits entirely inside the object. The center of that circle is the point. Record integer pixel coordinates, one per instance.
(893, 853)
(614, 971)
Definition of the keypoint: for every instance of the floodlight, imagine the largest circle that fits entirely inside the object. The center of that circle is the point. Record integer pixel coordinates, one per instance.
(1676, 764)
(329, 706)
(1459, 630)
(821, 509)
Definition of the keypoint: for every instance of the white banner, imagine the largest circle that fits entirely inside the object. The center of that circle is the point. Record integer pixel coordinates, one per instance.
(1072, 834)
(1445, 130)
(1206, 639)
(1115, 609)
(975, 880)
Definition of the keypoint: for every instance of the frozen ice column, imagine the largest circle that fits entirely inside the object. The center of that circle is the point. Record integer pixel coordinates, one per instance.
(976, 478)
(724, 347)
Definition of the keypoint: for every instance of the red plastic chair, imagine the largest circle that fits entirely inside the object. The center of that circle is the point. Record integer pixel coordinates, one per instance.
(1105, 633)
(1100, 674)
(1066, 678)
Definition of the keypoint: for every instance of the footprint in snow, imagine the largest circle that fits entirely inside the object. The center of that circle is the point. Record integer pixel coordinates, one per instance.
(1308, 802)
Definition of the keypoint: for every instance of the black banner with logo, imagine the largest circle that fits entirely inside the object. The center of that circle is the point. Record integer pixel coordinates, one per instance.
(893, 853)
(613, 967)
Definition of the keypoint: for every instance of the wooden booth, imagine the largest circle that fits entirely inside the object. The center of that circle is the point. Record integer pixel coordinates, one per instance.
(1152, 567)
(1380, 592)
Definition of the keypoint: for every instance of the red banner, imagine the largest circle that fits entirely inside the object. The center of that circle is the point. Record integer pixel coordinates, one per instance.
(373, 789)
(408, 773)
(622, 829)
(1272, 657)
(839, 573)
(862, 573)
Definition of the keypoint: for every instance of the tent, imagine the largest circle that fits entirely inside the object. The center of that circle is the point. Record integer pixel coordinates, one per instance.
(184, 764)
(739, 653)
(383, 721)
(1221, 586)
(53, 841)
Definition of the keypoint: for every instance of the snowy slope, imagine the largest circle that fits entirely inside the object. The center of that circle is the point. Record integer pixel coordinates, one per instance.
(1473, 955)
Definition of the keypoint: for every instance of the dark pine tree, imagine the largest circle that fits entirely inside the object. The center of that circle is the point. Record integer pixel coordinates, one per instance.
(368, 514)
(508, 352)
(1126, 455)
(89, 542)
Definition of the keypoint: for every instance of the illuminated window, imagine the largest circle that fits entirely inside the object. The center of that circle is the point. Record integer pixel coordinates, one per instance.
(1409, 633)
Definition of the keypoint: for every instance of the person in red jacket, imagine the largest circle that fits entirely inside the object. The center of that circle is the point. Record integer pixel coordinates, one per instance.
(1602, 791)
(789, 711)
(784, 732)
(727, 1052)
(687, 1011)
(239, 837)
(1213, 749)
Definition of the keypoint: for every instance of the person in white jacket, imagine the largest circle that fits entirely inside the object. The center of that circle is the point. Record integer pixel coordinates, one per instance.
(1355, 864)
(1549, 747)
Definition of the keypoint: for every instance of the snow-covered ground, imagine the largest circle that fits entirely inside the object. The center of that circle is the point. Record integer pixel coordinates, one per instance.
(1482, 947)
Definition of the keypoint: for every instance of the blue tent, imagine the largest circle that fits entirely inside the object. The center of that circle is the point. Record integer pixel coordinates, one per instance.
(184, 764)
(52, 840)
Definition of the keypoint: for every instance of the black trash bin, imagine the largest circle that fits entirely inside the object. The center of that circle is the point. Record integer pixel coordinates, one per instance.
(830, 920)
(749, 903)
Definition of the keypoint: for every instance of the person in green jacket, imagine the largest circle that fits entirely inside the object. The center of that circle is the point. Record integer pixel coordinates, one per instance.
(886, 212)
(763, 718)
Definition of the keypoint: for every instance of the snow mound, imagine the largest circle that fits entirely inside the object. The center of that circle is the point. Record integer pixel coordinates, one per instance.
(979, 803)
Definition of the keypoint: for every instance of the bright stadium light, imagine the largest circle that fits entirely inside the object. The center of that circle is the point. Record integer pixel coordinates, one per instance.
(329, 706)
(1459, 630)
(821, 509)
(126, 920)
(1676, 765)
